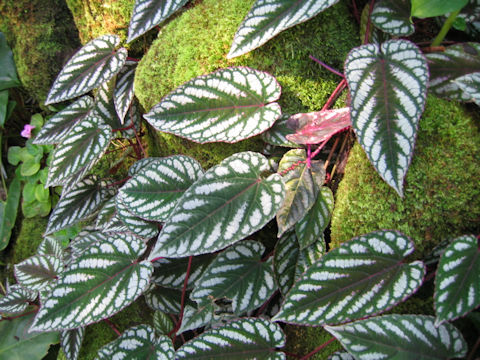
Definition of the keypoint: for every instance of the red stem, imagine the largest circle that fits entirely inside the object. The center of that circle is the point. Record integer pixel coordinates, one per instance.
(182, 302)
(342, 85)
(119, 182)
(356, 14)
(329, 68)
(21, 315)
(313, 352)
(113, 327)
(369, 22)
(132, 59)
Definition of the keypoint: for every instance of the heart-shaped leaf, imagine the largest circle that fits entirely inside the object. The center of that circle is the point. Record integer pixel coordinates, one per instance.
(231, 201)
(149, 13)
(311, 227)
(16, 300)
(138, 342)
(242, 339)
(393, 17)
(123, 93)
(445, 67)
(58, 126)
(318, 126)
(79, 151)
(102, 281)
(71, 341)
(302, 185)
(400, 337)
(94, 64)
(267, 18)
(228, 105)
(362, 277)
(38, 271)
(238, 274)
(77, 203)
(457, 283)
(153, 192)
(388, 89)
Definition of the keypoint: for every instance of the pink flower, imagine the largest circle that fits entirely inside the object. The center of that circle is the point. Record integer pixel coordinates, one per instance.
(27, 131)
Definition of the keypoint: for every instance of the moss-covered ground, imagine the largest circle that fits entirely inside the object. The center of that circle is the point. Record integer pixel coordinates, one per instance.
(442, 191)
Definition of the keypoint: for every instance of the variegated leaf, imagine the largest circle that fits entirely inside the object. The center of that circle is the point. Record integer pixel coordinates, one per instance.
(17, 299)
(150, 13)
(142, 163)
(166, 300)
(71, 341)
(123, 93)
(79, 151)
(106, 213)
(231, 201)
(267, 18)
(50, 246)
(138, 342)
(38, 271)
(388, 89)
(196, 318)
(102, 281)
(311, 227)
(238, 274)
(91, 66)
(362, 277)
(162, 323)
(139, 227)
(277, 134)
(77, 203)
(400, 337)
(393, 17)
(228, 105)
(243, 339)
(85, 240)
(319, 126)
(302, 185)
(289, 262)
(470, 85)
(457, 283)
(58, 126)
(445, 67)
(337, 355)
(153, 192)
(171, 272)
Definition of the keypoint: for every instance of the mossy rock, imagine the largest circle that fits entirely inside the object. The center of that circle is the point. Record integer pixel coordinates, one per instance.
(301, 340)
(442, 191)
(42, 36)
(29, 237)
(197, 41)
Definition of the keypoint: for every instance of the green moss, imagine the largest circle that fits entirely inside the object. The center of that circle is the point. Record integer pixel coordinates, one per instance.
(99, 334)
(197, 41)
(442, 191)
(42, 36)
(30, 236)
(301, 340)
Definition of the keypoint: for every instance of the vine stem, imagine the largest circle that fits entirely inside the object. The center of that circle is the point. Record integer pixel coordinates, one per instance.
(314, 351)
(369, 22)
(182, 302)
(445, 28)
(329, 68)
(21, 315)
(113, 327)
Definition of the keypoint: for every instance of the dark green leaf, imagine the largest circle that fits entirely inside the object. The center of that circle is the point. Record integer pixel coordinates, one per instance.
(8, 72)
(432, 8)
(393, 17)
(8, 212)
(71, 341)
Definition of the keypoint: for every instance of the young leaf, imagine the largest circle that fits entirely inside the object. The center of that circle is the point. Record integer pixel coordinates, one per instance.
(153, 192)
(94, 64)
(311, 227)
(243, 339)
(18, 342)
(71, 341)
(228, 105)
(77, 203)
(149, 13)
(8, 212)
(38, 271)
(238, 274)
(136, 225)
(123, 93)
(102, 281)
(277, 134)
(455, 62)
(79, 151)
(318, 126)
(362, 277)
(400, 337)
(59, 125)
(267, 18)
(388, 89)
(457, 283)
(17, 299)
(138, 342)
(166, 300)
(393, 17)
(231, 201)
(302, 185)
(196, 318)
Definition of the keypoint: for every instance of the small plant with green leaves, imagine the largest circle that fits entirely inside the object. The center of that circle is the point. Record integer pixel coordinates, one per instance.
(186, 239)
